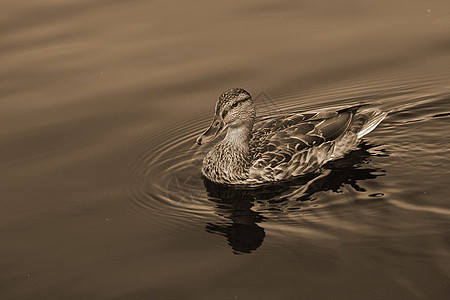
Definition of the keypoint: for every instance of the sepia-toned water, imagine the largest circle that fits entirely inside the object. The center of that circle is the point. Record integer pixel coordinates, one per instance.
(102, 195)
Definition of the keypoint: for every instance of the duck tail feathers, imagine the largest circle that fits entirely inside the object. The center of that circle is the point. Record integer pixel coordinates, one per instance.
(353, 108)
(372, 117)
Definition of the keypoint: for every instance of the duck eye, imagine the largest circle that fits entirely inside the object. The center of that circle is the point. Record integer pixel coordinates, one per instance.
(235, 104)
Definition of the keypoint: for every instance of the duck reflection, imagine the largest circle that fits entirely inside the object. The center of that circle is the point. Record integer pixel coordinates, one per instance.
(235, 204)
(240, 223)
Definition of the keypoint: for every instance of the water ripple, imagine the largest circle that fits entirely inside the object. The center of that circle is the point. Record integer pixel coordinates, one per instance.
(344, 196)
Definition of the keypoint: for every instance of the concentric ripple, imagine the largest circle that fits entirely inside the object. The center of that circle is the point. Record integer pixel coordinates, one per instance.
(344, 195)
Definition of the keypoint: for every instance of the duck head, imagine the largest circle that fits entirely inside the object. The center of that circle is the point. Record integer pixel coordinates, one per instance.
(234, 109)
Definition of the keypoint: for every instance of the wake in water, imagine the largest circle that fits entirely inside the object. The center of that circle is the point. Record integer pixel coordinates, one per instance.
(344, 194)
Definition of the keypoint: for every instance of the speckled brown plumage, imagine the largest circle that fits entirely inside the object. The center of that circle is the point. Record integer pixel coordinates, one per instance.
(281, 147)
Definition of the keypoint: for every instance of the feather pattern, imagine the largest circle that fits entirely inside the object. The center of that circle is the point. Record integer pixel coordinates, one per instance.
(279, 148)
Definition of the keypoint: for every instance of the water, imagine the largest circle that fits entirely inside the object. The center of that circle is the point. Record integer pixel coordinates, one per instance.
(101, 189)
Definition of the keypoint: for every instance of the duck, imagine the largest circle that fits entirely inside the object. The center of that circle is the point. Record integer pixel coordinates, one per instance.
(281, 147)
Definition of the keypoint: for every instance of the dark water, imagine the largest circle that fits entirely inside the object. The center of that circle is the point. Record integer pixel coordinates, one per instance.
(101, 190)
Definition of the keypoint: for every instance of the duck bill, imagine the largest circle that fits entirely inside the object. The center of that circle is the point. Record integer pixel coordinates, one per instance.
(217, 126)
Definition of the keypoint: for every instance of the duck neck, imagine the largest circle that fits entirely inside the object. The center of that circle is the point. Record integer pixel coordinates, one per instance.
(228, 160)
(239, 137)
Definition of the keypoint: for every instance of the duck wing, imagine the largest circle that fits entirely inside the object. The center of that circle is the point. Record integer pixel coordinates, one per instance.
(293, 145)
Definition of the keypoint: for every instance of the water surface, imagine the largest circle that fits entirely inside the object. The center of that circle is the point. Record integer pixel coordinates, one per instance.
(101, 190)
